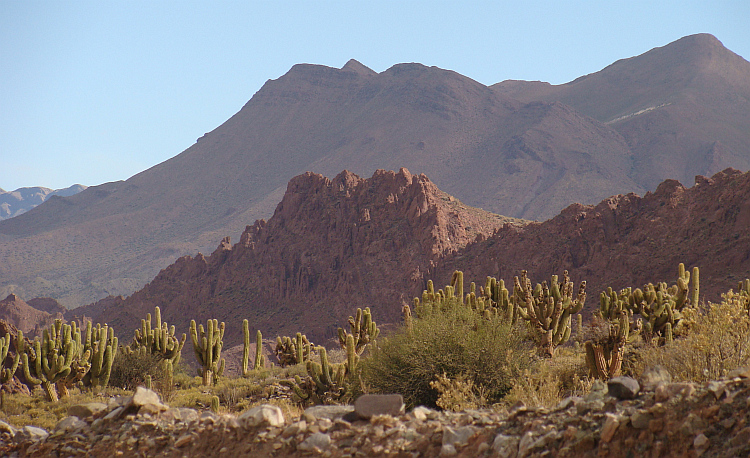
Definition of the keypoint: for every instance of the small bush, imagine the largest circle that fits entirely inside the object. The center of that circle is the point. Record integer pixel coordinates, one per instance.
(456, 342)
(715, 341)
(130, 370)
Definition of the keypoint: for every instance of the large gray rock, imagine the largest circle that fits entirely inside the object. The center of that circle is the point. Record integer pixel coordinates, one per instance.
(459, 436)
(262, 415)
(33, 433)
(70, 423)
(369, 405)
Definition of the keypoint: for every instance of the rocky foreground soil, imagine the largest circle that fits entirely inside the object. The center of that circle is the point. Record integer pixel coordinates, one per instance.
(622, 418)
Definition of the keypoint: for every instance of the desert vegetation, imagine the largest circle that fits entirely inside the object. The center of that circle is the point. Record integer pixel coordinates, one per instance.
(457, 348)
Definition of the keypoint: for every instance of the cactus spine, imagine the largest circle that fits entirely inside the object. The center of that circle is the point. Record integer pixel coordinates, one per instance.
(207, 345)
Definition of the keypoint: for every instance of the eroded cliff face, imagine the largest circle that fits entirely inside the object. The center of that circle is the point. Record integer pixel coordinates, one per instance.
(628, 240)
(21, 315)
(330, 247)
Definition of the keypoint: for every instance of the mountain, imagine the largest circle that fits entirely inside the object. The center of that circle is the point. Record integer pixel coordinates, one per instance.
(334, 245)
(331, 246)
(14, 203)
(495, 150)
(683, 109)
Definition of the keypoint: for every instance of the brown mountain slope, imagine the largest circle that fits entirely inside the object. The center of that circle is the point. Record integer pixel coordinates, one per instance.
(628, 240)
(331, 246)
(498, 154)
(684, 108)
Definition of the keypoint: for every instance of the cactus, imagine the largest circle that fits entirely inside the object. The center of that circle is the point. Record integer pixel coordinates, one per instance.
(661, 306)
(548, 310)
(743, 291)
(215, 404)
(7, 373)
(207, 345)
(605, 351)
(326, 383)
(50, 359)
(148, 382)
(363, 329)
(102, 344)
(160, 340)
(290, 351)
(260, 360)
(406, 311)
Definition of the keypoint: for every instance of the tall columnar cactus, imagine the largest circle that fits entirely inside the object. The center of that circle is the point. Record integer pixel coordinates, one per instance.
(294, 351)
(102, 344)
(50, 359)
(457, 283)
(260, 360)
(7, 373)
(549, 309)
(160, 340)
(743, 291)
(207, 345)
(605, 351)
(363, 328)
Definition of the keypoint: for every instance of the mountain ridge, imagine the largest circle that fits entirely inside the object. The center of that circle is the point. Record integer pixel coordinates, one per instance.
(507, 156)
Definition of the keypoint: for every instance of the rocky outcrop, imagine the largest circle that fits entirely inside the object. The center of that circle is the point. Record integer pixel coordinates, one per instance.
(628, 240)
(330, 247)
(24, 317)
(47, 304)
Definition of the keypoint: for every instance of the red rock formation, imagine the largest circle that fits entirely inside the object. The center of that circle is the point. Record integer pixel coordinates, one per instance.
(330, 247)
(24, 317)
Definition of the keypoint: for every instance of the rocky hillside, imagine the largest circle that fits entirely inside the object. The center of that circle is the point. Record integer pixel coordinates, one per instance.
(330, 247)
(673, 112)
(14, 203)
(628, 240)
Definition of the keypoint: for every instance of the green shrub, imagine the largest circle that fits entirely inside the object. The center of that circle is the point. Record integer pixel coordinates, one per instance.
(457, 342)
(129, 370)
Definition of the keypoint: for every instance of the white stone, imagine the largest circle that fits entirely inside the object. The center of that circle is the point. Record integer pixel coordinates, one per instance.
(263, 414)
(69, 424)
(505, 446)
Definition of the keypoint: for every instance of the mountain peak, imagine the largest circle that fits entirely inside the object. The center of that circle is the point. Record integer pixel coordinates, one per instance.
(358, 68)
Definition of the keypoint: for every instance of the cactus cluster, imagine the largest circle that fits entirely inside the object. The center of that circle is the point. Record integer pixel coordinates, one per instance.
(57, 357)
(548, 309)
(292, 351)
(160, 340)
(363, 331)
(207, 345)
(325, 382)
(659, 305)
(606, 348)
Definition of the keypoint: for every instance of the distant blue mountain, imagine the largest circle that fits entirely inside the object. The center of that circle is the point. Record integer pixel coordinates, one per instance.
(13, 203)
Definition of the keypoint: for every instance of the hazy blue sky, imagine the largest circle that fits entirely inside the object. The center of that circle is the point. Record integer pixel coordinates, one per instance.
(98, 91)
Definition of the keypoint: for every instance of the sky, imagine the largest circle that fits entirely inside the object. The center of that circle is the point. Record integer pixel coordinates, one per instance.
(92, 92)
